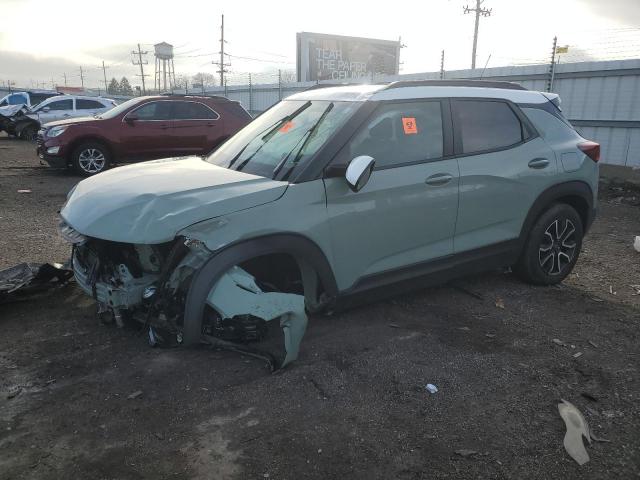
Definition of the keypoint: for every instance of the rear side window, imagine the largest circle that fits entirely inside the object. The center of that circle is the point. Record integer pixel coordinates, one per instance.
(486, 125)
(193, 111)
(60, 105)
(154, 111)
(401, 133)
(82, 104)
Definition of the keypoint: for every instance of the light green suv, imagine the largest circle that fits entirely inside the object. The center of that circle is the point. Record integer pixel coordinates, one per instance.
(328, 194)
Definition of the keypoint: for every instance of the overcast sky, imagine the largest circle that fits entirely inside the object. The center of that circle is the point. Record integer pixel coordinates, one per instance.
(42, 40)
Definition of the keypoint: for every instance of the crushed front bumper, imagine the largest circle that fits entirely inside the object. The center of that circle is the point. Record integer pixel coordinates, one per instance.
(115, 289)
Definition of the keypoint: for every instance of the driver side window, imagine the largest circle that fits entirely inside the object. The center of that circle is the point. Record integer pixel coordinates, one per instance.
(399, 134)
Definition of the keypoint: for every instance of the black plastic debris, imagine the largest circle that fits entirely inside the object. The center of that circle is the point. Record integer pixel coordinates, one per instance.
(27, 279)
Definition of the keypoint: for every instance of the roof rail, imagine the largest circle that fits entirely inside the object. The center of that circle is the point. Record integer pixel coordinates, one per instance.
(455, 83)
(346, 84)
(215, 97)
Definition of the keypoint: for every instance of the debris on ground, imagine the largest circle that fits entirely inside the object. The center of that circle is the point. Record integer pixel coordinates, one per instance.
(14, 392)
(490, 335)
(431, 388)
(636, 243)
(466, 453)
(557, 341)
(500, 303)
(593, 344)
(135, 394)
(25, 190)
(589, 396)
(29, 278)
(577, 354)
(577, 427)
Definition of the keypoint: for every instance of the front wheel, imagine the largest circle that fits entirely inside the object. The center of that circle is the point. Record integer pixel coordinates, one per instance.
(91, 158)
(553, 246)
(29, 133)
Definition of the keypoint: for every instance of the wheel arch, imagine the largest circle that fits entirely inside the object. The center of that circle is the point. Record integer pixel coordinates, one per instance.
(86, 139)
(577, 194)
(310, 258)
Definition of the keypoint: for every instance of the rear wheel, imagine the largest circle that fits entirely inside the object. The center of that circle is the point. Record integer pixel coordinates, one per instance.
(91, 158)
(553, 246)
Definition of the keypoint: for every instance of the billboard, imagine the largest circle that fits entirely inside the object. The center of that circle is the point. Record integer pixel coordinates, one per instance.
(344, 59)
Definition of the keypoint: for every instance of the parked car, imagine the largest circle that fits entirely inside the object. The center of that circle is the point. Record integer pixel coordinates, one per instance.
(18, 104)
(59, 108)
(29, 98)
(332, 193)
(141, 129)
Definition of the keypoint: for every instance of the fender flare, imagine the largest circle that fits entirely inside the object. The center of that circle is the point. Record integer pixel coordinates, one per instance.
(575, 188)
(300, 247)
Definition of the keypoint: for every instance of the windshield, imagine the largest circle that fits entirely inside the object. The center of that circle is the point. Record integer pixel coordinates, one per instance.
(283, 138)
(123, 107)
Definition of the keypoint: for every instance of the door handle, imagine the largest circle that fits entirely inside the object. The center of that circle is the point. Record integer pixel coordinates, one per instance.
(164, 127)
(438, 179)
(538, 163)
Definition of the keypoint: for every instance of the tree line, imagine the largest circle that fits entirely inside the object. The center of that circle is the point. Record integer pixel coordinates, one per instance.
(123, 87)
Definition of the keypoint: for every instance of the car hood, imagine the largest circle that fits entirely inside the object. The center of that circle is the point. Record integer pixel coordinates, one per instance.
(150, 202)
(71, 121)
(11, 110)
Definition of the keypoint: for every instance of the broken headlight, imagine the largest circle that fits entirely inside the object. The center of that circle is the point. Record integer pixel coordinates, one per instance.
(67, 232)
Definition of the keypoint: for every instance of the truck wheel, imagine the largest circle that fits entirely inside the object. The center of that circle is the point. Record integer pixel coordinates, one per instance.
(553, 246)
(91, 158)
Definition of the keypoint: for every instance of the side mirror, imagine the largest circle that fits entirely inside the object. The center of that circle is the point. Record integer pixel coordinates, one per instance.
(359, 171)
(45, 109)
(131, 118)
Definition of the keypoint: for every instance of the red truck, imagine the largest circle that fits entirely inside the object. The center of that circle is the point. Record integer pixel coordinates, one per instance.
(143, 128)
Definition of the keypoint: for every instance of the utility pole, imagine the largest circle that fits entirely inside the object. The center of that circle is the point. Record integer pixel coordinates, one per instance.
(65, 79)
(552, 65)
(104, 73)
(139, 53)
(222, 71)
(479, 10)
(442, 66)
(81, 77)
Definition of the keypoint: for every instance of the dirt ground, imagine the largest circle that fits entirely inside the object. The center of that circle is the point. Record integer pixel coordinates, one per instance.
(82, 400)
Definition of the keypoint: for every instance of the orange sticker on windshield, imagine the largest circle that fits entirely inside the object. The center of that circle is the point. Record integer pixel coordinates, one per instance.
(409, 125)
(286, 127)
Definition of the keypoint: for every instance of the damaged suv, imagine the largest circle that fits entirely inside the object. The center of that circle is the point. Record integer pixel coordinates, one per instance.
(328, 194)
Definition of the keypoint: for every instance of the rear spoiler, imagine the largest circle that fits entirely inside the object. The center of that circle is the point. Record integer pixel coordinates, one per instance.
(553, 98)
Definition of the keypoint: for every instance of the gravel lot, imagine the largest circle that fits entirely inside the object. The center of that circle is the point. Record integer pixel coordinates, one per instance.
(354, 405)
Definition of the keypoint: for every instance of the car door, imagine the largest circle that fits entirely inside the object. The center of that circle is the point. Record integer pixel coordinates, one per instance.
(146, 131)
(196, 126)
(54, 110)
(406, 213)
(504, 166)
(86, 107)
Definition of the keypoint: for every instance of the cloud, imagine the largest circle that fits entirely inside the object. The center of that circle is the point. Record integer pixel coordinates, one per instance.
(626, 12)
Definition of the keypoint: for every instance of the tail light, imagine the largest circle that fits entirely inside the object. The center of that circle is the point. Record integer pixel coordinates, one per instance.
(590, 149)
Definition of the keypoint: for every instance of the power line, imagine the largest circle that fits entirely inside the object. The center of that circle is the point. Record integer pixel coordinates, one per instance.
(479, 10)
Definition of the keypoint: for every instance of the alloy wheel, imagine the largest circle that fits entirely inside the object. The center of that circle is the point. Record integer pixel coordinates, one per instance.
(558, 246)
(91, 160)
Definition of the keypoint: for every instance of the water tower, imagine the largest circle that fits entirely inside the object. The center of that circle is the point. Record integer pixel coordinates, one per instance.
(164, 66)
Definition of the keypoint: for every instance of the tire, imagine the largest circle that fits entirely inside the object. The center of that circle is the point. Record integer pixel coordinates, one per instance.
(90, 158)
(552, 247)
(29, 133)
